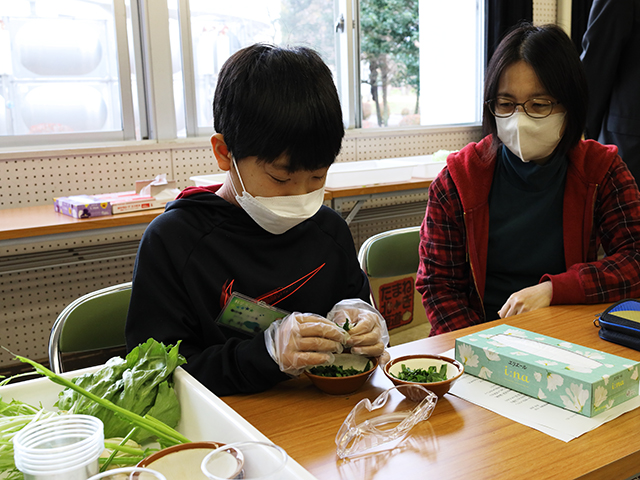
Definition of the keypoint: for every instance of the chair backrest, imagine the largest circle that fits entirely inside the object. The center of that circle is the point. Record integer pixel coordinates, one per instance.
(390, 260)
(391, 253)
(92, 322)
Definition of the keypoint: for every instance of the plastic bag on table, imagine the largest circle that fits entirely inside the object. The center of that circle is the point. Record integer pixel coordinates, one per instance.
(362, 430)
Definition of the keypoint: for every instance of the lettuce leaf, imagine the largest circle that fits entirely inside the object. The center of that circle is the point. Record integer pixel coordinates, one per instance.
(141, 383)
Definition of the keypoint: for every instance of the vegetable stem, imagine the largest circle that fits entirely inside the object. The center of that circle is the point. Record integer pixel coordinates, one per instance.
(122, 461)
(116, 449)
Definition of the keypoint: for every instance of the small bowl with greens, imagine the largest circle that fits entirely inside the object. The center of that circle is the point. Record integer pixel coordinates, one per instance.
(434, 372)
(345, 375)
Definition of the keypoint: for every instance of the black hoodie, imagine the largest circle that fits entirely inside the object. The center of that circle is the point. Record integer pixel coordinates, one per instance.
(200, 250)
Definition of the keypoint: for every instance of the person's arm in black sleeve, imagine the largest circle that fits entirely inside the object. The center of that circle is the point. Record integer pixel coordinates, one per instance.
(609, 28)
(161, 308)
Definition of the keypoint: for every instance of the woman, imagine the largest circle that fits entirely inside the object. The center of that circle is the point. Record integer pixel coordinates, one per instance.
(515, 222)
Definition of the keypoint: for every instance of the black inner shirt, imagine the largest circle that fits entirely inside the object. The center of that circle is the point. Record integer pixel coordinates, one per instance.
(525, 226)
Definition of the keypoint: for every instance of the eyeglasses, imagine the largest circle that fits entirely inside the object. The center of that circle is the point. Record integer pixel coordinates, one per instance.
(534, 107)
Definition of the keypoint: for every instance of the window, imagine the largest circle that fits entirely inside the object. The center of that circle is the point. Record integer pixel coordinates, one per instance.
(94, 70)
(220, 27)
(61, 72)
(417, 62)
(421, 62)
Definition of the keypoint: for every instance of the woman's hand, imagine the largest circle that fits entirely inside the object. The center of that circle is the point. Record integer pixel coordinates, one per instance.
(527, 299)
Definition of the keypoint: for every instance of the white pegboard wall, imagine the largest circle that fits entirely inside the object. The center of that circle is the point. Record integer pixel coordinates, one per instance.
(37, 178)
(348, 150)
(26, 182)
(372, 145)
(545, 12)
(33, 299)
(188, 162)
(42, 275)
(364, 230)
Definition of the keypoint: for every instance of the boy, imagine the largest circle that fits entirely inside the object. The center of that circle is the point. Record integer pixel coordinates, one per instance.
(264, 233)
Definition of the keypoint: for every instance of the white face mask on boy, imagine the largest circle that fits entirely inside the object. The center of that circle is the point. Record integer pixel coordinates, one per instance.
(278, 214)
(531, 138)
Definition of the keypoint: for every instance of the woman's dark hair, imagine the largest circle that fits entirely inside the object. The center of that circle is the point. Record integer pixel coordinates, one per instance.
(554, 58)
(272, 101)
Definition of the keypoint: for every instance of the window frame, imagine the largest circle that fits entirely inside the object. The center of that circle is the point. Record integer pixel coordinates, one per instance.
(151, 51)
(126, 100)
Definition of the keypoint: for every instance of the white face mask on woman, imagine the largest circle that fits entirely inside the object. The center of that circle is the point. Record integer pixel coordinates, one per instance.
(531, 138)
(278, 214)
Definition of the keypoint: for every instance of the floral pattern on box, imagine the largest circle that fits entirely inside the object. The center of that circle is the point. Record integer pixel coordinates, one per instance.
(568, 375)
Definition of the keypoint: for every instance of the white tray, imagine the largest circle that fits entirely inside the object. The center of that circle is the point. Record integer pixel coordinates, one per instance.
(366, 172)
(204, 415)
(427, 167)
(369, 172)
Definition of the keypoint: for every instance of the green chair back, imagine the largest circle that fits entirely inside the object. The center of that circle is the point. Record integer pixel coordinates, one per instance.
(391, 253)
(92, 322)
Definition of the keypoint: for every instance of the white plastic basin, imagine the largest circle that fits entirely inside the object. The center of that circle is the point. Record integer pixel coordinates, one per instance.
(369, 172)
(427, 167)
(206, 180)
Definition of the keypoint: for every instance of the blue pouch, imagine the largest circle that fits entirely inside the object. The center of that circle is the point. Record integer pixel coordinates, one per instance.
(620, 323)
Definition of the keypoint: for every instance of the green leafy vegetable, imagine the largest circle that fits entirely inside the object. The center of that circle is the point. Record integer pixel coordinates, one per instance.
(164, 433)
(141, 384)
(421, 375)
(145, 376)
(346, 326)
(338, 370)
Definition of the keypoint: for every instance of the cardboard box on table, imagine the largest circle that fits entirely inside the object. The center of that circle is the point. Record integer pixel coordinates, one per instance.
(401, 306)
(133, 201)
(571, 376)
(82, 206)
(87, 206)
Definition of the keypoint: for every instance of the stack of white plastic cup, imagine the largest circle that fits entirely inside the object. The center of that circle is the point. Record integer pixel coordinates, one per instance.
(64, 447)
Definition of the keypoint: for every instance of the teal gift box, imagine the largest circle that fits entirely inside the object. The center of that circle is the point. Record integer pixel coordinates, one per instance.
(570, 376)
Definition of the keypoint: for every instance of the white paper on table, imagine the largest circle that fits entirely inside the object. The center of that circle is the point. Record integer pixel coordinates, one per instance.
(550, 419)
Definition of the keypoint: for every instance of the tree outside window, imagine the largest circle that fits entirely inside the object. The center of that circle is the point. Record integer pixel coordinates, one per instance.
(390, 56)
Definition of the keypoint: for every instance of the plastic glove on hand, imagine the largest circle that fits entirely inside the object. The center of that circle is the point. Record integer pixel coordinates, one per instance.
(367, 334)
(302, 340)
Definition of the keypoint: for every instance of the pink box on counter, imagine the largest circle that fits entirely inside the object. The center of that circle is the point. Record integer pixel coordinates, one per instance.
(124, 202)
(82, 206)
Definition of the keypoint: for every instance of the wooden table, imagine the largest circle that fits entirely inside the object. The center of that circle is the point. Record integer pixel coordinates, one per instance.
(27, 222)
(460, 440)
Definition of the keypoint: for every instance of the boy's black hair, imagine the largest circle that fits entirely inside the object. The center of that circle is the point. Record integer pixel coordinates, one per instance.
(272, 101)
(554, 58)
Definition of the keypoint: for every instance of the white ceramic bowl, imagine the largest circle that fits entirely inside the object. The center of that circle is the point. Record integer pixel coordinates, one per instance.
(180, 462)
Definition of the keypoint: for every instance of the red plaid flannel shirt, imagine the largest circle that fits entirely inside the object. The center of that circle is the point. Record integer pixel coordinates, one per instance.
(601, 208)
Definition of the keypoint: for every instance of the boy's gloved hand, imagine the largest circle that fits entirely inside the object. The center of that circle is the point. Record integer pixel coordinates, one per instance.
(368, 334)
(302, 340)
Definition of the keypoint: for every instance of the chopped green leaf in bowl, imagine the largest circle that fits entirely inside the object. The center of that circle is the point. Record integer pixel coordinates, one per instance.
(421, 375)
(337, 370)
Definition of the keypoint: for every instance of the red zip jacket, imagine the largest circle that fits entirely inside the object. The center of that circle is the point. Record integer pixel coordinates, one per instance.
(601, 208)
